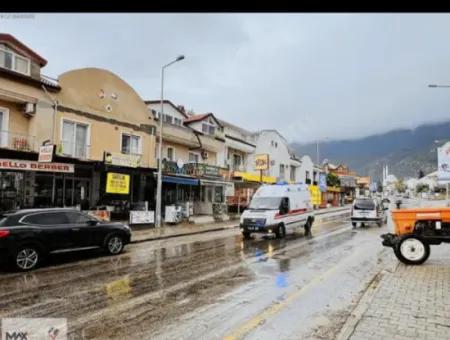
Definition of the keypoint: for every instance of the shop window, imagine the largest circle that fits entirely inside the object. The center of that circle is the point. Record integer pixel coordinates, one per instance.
(131, 144)
(218, 195)
(74, 139)
(209, 193)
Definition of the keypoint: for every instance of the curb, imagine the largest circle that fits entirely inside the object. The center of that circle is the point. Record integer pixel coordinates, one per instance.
(181, 234)
(363, 304)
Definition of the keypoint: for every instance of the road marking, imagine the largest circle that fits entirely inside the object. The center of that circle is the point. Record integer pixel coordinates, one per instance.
(250, 325)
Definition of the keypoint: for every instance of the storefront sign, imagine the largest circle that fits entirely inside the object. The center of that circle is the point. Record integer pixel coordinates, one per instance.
(262, 162)
(142, 217)
(46, 153)
(120, 159)
(13, 164)
(117, 183)
(443, 156)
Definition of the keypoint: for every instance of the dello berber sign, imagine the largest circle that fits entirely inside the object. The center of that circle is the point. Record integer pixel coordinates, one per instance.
(14, 164)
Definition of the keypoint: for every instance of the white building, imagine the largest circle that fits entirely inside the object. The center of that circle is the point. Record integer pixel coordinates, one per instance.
(283, 163)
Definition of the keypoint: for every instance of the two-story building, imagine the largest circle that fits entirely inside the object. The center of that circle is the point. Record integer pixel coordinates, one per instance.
(237, 157)
(193, 173)
(284, 165)
(103, 139)
(26, 116)
(102, 122)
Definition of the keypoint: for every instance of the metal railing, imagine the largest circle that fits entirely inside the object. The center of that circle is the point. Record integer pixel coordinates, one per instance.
(17, 141)
(75, 150)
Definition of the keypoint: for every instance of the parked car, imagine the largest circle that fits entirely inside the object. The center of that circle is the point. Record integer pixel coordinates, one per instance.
(278, 209)
(27, 236)
(368, 211)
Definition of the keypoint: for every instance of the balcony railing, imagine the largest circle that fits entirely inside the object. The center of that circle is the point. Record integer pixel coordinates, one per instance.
(75, 150)
(16, 141)
(193, 169)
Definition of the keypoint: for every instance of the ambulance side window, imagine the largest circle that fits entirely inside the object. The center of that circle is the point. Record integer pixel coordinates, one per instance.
(284, 205)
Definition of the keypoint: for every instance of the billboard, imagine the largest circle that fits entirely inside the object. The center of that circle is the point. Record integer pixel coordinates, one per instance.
(262, 162)
(443, 156)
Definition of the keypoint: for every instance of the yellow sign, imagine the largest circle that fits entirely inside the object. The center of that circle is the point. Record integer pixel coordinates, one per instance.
(262, 162)
(117, 183)
(316, 196)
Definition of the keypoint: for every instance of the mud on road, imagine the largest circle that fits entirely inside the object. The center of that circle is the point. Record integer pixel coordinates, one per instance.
(152, 286)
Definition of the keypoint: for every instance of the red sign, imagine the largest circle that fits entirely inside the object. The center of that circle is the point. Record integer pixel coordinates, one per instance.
(13, 164)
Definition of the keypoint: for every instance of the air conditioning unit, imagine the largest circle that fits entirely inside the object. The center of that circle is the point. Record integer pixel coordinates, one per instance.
(29, 109)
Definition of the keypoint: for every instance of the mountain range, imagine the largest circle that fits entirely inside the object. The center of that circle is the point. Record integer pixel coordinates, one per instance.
(405, 151)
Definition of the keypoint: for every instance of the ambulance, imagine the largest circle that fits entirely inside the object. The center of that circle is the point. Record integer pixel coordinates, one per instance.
(278, 209)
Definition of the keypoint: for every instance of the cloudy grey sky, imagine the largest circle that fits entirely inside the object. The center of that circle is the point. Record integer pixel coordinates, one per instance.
(311, 76)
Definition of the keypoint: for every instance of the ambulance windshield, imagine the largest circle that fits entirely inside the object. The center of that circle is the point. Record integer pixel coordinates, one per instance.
(265, 203)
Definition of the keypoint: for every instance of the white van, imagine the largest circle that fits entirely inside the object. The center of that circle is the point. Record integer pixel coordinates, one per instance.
(277, 209)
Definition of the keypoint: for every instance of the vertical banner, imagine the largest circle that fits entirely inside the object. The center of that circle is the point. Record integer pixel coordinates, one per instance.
(443, 156)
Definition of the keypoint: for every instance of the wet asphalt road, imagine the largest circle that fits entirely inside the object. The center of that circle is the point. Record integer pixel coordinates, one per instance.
(207, 286)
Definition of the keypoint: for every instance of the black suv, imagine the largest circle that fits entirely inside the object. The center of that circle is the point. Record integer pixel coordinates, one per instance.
(26, 236)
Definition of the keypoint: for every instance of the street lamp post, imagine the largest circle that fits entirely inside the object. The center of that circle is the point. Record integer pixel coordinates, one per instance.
(159, 183)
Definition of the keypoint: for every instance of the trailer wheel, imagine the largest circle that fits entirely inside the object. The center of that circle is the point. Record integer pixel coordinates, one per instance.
(412, 250)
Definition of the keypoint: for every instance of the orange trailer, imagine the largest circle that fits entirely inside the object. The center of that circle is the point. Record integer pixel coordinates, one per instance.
(415, 230)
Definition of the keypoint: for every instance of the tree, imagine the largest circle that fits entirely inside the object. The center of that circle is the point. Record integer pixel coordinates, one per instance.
(422, 187)
(421, 174)
(333, 180)
(400, 186)
(379, 186)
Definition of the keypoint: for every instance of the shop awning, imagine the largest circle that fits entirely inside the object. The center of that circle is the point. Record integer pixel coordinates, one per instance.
(252, 177)
(180, 180)
(213, 182)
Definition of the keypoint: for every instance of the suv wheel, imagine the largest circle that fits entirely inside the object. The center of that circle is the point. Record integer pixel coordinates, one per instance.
(26, 257)
(281, 231)
(114, 244)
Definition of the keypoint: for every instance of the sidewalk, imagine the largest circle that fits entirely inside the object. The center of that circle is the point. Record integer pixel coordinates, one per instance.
(409, 302)
(150, 233)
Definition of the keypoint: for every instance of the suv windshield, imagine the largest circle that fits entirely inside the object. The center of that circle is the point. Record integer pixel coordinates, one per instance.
(364, 205)
(265, 203)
